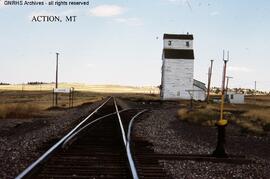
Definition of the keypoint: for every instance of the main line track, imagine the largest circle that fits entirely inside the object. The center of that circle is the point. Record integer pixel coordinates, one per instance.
(98, 147)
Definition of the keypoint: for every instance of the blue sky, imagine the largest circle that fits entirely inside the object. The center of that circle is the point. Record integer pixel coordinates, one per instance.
(120, 41)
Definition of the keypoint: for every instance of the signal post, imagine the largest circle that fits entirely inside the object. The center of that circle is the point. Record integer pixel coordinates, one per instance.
(222, 123)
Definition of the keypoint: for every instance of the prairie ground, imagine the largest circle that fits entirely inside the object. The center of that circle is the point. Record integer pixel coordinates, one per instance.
(252, 117)
(82, 87)
(29, 125)
(35, 126)
(24, 101)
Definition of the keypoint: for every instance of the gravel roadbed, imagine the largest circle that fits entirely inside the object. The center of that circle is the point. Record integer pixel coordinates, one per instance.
(169, 135)
(24, 140)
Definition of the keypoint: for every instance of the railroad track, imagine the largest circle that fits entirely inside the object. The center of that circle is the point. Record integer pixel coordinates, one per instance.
(102, 146)
(98, 147)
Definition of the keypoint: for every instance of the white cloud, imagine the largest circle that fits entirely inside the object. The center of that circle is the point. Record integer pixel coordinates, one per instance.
(67, 12)
(90, 65)
(106, 10)
(129, 21)
(239, 69)
(214, 13)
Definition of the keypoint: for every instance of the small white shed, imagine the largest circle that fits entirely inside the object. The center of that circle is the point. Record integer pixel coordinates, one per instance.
(235, 98)
(199, 93)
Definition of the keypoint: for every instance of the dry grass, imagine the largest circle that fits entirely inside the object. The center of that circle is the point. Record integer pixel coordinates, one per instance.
(257, 121)
(262, 116)
(17, 104)
(249, 117)
(249, 127)
(28, 102)
(205, 117)
(83, 87)
(260, 100)
(139, 97)
(18, 110)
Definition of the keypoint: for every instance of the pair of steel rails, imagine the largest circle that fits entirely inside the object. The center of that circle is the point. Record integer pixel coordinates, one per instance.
(84, 124)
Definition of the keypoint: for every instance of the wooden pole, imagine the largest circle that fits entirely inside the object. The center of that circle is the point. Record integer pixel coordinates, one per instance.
(56, 79)
(53, 98)
(255, 87)
(209, 80)
(223, 90)
(72, 96)
(223, 86)
(69, 99)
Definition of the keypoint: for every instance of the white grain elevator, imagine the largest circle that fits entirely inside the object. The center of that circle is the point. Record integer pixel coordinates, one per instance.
(177, 66)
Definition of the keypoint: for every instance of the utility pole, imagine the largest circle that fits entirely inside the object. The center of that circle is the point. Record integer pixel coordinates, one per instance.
(255, 88)
(222, 123)
(56, 79)
(22, 87)
(209, 80)
(223, 84)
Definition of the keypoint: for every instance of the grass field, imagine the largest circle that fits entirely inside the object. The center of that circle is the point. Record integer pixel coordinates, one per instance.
(22, 101)
(82, 87)
(263, 100)
(251, 117)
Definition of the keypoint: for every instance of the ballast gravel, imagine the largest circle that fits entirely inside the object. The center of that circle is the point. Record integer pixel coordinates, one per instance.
(22, 140)
(169, 135)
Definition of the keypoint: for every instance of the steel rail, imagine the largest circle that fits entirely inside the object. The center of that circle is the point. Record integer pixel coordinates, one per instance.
(128, 150)
(127, 144)
(55, 146)
(120, 123)
(86, 126)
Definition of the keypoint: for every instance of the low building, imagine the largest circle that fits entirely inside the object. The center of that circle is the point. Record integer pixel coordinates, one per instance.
(199, 90)
(235, 98)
